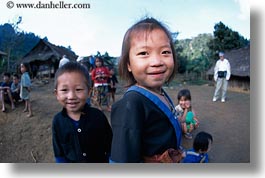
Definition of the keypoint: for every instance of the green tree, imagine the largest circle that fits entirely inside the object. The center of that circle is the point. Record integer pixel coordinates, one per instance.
(193, 54)
(15, 43)
(181, 55)
(226, 39)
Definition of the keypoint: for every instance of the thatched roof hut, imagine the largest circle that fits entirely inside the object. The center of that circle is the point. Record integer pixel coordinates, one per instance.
(240, 68)
(46, 56)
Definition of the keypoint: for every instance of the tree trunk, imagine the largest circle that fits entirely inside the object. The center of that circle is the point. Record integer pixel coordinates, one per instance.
(8, 59)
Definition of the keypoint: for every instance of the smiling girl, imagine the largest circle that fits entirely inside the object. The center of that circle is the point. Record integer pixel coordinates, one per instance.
(143, 122)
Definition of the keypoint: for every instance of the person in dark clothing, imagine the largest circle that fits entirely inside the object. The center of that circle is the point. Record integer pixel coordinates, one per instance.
(5, 92)
(80, 133)
(112, 84)
(144, 125)
(15, 88)
(201, 146)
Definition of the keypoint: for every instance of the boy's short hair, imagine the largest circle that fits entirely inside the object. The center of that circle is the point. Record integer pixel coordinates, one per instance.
(72, 67)
(16, 75)
(201, 141)
(7, 74)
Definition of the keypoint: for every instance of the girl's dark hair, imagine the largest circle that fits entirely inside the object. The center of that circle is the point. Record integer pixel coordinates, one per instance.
(26, 65)
(146, 25)
(184, 93)
(101, 60)
(72, 67)
(201, 141)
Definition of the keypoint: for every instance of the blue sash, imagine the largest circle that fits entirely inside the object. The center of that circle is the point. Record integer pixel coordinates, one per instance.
(171, 116)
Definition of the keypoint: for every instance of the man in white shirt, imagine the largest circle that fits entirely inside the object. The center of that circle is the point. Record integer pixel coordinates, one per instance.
(222, 73)
(63, 61)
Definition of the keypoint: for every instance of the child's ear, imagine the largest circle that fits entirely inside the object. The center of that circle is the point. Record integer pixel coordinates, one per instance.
(129, 67)
(55, 92)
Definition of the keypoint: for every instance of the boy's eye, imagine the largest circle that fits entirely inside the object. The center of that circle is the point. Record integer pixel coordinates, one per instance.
(63, 89)
(79, 89)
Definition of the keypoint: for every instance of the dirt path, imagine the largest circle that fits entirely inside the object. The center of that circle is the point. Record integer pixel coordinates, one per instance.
(28, 140)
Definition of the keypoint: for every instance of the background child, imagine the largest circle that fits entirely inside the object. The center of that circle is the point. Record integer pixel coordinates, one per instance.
(80, 133)
(15, 88)
(186, 113)
(144, 128)
(25, 88)
(5, 92)
(100, 76)
(201, 146)
(112, 84)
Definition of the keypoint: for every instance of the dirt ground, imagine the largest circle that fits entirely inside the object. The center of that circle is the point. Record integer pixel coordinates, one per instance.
(28, 140)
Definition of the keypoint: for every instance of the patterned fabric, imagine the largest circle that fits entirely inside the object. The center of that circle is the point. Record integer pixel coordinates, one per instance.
(100, 95)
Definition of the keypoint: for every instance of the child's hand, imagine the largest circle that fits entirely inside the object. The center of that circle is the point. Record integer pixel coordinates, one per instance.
(98, 76)
(187, 104)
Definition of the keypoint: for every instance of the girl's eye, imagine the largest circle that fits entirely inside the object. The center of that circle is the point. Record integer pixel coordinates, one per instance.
(143, 53)
(167, 52)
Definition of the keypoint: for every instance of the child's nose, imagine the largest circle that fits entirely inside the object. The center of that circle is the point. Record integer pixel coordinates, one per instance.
(156, 60)
(71, 95)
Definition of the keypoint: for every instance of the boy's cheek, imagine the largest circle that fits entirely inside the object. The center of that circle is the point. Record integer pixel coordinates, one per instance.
(58, 97)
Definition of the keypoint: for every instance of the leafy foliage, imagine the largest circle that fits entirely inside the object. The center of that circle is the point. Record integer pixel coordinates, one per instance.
(226, 39)
(196, 55)
(193, 54)
(15, 43)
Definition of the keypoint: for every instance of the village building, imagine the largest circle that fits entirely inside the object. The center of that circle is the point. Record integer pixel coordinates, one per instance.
(44, 58)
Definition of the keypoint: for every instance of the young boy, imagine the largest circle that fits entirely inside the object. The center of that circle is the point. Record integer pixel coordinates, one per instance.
(15, 88)
(201, 147)
(5, 92)
(80, 133)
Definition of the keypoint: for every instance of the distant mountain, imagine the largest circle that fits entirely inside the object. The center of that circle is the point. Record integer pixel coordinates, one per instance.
(19, 42)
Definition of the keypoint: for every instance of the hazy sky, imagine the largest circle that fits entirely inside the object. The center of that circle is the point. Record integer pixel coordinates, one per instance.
(102, 26)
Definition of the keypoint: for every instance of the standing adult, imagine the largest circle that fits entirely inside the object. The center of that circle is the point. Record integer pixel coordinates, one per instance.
(63, 61)
(222, 73)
